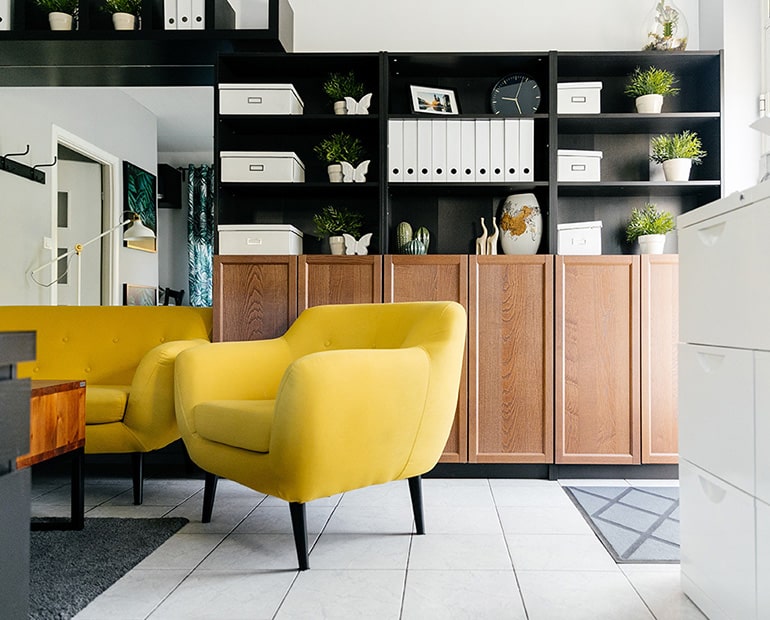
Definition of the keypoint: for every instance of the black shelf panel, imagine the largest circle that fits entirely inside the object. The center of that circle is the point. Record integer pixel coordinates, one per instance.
(464, 188)
(636, 188)
(283, 123)
(320, 189)
(614, 123)
(440, 117)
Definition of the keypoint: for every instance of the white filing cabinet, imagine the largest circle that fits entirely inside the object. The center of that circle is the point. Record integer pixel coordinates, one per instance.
(724, 405)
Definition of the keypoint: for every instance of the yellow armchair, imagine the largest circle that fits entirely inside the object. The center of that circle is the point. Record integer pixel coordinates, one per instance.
(350, 396)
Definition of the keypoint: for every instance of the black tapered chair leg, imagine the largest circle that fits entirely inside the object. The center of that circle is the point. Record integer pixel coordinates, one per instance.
(137, 473)
(209, 491)
(415, 490)
(299, 525)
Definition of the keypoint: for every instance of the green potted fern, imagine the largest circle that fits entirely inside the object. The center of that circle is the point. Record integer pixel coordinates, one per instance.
(677, 153)
(337, 148)
(334, 222)
(124, 12)
(60, 12)
(649, 227)
(649, 86)
(340, 85)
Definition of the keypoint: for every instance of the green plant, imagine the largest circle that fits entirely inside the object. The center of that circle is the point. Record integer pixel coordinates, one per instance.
(651, 81)
(340, 147)
(58, 6)
(122, 6)
(649, 221)
(333, 221)
(340, 85)
(672, 146)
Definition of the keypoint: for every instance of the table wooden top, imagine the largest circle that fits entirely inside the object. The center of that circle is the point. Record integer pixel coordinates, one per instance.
(41, 387)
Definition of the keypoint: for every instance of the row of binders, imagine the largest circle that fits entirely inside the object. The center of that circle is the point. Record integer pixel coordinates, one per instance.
(184, 14)
(461, 150)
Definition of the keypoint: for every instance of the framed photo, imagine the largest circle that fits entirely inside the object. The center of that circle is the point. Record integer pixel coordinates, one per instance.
(138, 295)
(430, 100)
(140, 194)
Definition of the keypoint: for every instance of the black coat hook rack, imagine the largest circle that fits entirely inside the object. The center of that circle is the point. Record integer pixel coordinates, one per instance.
(28, 172)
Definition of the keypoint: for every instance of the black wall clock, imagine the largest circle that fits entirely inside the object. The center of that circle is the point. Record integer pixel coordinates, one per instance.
(515, 95)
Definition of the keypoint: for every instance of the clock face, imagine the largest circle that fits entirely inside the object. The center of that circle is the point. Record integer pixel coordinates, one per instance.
(515, 95)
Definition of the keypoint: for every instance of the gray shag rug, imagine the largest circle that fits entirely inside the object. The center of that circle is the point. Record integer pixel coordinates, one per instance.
(68, 569)
(636, 524)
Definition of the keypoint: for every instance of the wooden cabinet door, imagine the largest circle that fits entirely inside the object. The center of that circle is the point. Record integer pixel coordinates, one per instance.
(326, 279)
(659, 372)
(597, 359)
(434, 277)
(510, 382)
(255, 297)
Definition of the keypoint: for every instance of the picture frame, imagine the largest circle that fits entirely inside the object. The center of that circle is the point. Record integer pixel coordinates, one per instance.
(433, 100)
(140, 295)
(140, 195)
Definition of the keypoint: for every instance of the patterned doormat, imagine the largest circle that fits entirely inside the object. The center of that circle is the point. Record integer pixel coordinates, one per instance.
(636, 524)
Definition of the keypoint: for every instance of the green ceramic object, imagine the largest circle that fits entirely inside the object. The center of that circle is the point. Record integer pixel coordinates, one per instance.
(423, 235)
(415, 246)
(403, 235)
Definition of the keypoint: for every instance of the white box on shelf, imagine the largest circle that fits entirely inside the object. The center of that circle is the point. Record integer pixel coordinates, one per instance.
(259, 239)
(259, 99)
(261, 167)
(579, 98)
(579, 165)
(580, 238)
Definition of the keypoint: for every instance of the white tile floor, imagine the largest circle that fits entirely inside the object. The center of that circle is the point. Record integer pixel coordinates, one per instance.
(494, 549)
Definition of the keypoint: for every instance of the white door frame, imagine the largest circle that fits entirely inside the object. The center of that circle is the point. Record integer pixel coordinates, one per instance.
(111, 212)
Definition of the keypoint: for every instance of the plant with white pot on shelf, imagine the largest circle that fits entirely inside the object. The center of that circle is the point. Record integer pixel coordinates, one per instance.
(649, 86)
(649, 227)
(347, 93)
(124, 12)
(342, 147)
(60, 12)
(677, 153)
(335, 222)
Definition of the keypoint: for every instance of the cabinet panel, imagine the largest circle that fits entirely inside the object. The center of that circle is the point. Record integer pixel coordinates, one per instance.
(325, 279)
(763, 559)
(762, 426)
(255, 297)
(510, 383)
(597, 359)
(434, 277)
(659, 370)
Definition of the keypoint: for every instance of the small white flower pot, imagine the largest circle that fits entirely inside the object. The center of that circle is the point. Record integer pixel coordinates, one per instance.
(649, 104)
(677, 169)
(123, 21)
(340, 107)
(337, 244)
(651, 244)
(335, 173)
(60, 21)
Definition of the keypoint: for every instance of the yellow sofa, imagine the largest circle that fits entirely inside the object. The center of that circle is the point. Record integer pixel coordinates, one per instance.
(126, 355)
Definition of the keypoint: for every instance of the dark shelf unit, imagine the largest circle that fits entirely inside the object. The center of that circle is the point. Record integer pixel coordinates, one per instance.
(451, 211)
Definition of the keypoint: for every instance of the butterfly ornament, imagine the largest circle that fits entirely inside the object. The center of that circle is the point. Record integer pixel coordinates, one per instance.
(355, 175)
(358, 107)
(357, 247)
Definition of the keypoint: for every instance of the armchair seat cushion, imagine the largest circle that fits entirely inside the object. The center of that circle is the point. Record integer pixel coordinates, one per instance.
(245, 424)
(106, 403)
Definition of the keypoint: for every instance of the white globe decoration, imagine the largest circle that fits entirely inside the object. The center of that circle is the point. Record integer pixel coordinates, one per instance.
(521, 224)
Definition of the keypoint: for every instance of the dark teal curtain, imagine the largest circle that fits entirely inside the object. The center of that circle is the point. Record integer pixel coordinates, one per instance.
(200, 233)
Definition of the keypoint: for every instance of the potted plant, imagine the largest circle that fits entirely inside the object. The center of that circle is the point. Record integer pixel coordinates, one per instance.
(335, 222)
(337, 148)
(677, 153)
(60, 12)
(123, 12)
(340, 85)
(649, 86)
(649, 226)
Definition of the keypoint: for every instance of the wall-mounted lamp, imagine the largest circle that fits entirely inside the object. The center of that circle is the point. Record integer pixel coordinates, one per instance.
(136, 231)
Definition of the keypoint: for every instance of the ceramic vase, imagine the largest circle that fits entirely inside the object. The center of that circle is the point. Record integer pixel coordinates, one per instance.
(665, 28)
(123, 21)
(60, 21)
(651, 244)
(649, 104)
(521, 224)
(340, 107)
(335, 173)
(677, 169)
(337, 244)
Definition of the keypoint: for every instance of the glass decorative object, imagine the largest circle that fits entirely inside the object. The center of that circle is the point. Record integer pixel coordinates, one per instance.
(665, 28)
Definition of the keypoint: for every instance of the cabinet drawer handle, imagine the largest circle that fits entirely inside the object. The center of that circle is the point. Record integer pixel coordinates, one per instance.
(710, 362)
(715, 493)
(578, 167)
(578, 99)
(254, 100)
(711, 234)
(256, 167)
(253, 241)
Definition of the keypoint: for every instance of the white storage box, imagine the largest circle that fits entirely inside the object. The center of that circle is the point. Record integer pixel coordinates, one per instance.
(259, 99)
(259, 239)
(261, 167)
(579, 98)
(579, 165)
(582, 238)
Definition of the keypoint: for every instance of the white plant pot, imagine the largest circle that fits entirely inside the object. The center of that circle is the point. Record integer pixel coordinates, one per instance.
(651, 244)
(335, 173)
(340, 107)
(677, 169)
(337, 244)
(649, 104)
(123, 21)
(60, 21)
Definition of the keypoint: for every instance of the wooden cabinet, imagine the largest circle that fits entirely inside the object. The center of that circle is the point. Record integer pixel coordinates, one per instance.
(434, 277)
(325, 279)
(597, 359)
(255, 297)
(510, 382)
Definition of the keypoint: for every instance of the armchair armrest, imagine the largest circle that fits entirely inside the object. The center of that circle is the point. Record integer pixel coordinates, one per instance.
(340, 424)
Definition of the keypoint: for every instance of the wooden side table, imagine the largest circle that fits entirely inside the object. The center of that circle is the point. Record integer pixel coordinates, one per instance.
(58, 426)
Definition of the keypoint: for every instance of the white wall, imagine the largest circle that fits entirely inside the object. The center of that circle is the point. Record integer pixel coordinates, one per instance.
(105, 118)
